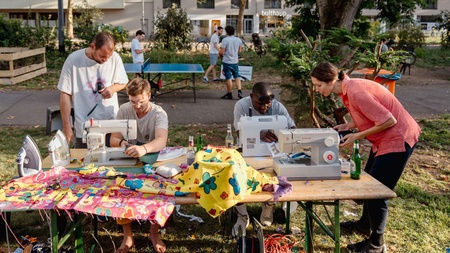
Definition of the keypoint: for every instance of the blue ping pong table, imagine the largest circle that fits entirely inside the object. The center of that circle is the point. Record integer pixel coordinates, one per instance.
(164, 68)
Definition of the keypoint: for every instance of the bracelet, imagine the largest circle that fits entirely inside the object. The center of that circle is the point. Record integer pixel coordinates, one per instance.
(120, 143)
(145, 149)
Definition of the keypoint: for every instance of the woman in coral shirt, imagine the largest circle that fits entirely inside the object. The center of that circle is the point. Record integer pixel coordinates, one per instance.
(381, 119)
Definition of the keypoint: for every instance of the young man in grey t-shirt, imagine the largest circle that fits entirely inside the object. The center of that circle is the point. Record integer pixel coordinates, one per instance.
(230, 49)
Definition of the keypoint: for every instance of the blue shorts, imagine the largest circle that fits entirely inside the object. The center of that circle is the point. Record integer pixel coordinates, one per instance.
(230, 70)
(213, 58)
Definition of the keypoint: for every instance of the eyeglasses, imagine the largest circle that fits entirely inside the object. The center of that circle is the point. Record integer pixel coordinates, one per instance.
(266, 99)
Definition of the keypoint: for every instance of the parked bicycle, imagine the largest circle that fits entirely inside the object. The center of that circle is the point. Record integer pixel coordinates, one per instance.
(202, 44)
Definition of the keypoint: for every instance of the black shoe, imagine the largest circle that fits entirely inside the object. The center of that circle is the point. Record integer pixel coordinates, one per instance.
(356, 247)
(352, 227)
(366, 247)
(240, 94)
(227, 96)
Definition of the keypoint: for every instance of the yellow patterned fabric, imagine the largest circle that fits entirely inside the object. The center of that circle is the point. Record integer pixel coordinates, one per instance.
(221, 178)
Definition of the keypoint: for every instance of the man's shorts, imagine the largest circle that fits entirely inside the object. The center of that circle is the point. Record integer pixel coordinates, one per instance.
(213, 58)
(230, 70)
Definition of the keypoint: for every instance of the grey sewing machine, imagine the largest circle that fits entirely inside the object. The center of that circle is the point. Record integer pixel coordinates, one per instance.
(322, 154)
(94, 135)
(249, 132)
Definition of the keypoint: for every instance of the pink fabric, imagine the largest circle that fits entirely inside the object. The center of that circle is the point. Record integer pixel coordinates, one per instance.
(98, 196)
(370, 104)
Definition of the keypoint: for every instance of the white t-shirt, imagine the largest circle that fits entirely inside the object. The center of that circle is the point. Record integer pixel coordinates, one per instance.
(137, 58)
(156, 118)
(79, 77)
(212, 48)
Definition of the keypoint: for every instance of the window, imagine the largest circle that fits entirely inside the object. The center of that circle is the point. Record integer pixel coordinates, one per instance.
(272, 4)
(235, 4)
(205, 4)
(27, 18)
(48, 19)
(248, 22)
(431, 4)
(168, 3)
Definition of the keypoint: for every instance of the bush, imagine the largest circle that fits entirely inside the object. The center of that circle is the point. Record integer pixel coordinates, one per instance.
(410, 37)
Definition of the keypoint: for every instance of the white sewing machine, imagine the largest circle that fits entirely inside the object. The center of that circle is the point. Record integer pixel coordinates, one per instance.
(249, 132)
(94, 135)
(322, 147)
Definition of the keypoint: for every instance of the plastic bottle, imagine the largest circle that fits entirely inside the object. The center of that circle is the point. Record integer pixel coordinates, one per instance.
(199, 143)
(229, 140)
(190, 155)
(355, 162)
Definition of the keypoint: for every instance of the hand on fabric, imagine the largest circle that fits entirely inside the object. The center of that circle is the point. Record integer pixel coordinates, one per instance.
(135, 151)
(268, 136)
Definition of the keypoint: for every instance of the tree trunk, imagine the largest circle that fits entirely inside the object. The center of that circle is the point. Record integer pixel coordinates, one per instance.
(337, 13)
(70, 19)
(240, 23)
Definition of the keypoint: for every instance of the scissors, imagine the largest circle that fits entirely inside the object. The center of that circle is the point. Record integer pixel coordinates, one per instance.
(105, 177)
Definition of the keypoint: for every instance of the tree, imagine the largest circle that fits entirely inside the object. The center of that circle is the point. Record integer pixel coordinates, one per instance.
(173, 29)
(70, 19)
(341, 13)
(240, 23)
(445, 28)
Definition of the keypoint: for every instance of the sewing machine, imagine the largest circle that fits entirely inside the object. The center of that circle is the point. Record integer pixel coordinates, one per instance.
(320, 160)
(249, 132)
(94, 135)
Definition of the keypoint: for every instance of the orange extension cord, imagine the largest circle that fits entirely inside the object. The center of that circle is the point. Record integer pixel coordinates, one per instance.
(278, 243)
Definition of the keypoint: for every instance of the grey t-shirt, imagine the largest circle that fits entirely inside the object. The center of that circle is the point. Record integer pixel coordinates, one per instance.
(155, 118)
(277, 108)
(231, 45)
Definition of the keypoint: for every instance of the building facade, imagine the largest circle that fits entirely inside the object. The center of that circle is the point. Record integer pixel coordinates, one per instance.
(260, 16)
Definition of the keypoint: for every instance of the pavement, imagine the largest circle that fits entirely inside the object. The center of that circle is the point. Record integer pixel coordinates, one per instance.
(29, 107)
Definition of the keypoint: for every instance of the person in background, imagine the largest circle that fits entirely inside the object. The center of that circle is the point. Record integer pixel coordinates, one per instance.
(229, 50)
(90, 80)
(213, 55)
(152, 134)
(381, 119)
(262, 102)
(384, 47)
(137, 52)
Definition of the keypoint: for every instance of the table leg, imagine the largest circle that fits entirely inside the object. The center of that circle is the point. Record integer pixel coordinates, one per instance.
(193, 87)
(54, 230)
(308, 227)
(78, 233)
(337, 228)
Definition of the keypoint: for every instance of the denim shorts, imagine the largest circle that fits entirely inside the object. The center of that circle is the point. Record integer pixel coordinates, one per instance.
(213, 58)
(230, 70)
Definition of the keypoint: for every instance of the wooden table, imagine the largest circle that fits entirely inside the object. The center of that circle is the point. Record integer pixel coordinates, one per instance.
(306, 193)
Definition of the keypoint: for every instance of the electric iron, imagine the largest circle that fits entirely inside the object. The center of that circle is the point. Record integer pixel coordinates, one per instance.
(29, 160)
(59, 151)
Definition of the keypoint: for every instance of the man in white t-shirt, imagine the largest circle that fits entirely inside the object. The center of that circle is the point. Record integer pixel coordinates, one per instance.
(152, 134)
(90, 80)
(214, 48)
(137, 52)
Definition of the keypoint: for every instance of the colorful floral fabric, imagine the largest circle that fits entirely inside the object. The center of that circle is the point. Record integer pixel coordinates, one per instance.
(91, 191)
(221, 178)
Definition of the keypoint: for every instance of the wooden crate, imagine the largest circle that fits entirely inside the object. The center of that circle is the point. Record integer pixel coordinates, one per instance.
(13, 76)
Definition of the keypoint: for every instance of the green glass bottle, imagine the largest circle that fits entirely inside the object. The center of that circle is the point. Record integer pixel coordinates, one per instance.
(199, 145)
(355, 162)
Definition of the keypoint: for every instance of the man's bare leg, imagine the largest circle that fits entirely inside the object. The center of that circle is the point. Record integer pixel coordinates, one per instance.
(229, 85)
(158, 244)
(128, 240)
